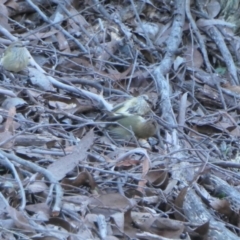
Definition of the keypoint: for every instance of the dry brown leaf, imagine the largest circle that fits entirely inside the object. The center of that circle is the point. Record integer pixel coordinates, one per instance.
(203, 229)
(179, 204)
(13, 102)
(114, 201)
(63, 43)
(118, 219)
(67, 163)
(41, 211)
(158, 178)
(221, 205)
(41, 35)
(155, 224)
(12, 4)
(40, 80)
(77, 18)
(19, 219)
(128, 226)
(83, 179)
(76, 203)
(234, 89)
(127, 162)
(142, 185)
(193, 57)
(112, 46)
(37, 187)
(8, 128)
(4, 17)
(213, 8)
(116, 75)
(61, 223)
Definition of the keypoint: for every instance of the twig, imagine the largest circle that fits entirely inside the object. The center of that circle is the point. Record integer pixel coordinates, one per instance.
(82, 92)
(217, 37)
(40, 126)
(45, 18)
(133, 70)
(4, 200)
(5, 162)
(149, 42)
(73, 90)
(58, 189)
(96, 85)
(109, 172)
(6, 33)
(199, 36)
(165, 65)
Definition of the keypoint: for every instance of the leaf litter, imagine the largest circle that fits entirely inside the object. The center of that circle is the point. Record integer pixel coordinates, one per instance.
(63, 177)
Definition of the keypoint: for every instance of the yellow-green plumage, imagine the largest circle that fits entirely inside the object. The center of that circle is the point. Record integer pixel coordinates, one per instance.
(134, 106)
(16, 57)
(138, 125)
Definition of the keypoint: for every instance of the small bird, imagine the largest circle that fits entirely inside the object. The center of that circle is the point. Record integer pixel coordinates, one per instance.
(134, 106)
(16, 57)
(141, 127)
